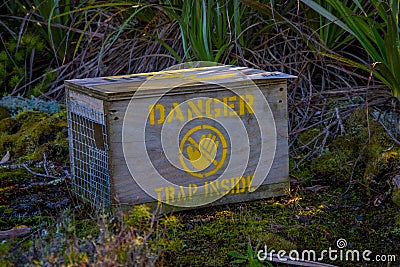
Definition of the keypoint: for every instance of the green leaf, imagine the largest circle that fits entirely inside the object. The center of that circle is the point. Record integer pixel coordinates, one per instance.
(236, 255)
(322, 11)
(377, 32)
(238, 261)
(250, 251)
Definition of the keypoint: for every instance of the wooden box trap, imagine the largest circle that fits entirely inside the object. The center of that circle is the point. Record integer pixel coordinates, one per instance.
(185, 137)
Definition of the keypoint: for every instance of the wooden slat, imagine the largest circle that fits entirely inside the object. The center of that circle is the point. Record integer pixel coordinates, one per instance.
(124, 87)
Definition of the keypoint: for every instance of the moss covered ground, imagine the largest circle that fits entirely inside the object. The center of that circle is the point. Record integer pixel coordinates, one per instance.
(347, 192)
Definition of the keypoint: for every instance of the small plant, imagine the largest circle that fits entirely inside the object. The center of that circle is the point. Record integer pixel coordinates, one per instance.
(19, 62)
(54, 24)
(139, 217)
(328, 33)
(375, 24)
(251, 258)
(209, 29)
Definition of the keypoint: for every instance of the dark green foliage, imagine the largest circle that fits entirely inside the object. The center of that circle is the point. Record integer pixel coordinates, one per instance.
(19, 62)
(209, 29)
(35, 42)
(375, 25)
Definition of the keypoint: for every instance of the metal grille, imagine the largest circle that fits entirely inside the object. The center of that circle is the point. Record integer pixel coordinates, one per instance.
(88, 151)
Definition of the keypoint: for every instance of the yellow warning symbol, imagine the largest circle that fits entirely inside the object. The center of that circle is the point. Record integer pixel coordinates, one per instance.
(207, 152)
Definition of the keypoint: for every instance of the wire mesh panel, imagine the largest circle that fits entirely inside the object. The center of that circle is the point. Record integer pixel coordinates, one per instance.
(88, 151)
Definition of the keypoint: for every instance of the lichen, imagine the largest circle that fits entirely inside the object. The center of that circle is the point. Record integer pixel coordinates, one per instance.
(18, 104)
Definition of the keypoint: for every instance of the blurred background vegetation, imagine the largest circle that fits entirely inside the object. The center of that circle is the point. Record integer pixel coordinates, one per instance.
(345, 53)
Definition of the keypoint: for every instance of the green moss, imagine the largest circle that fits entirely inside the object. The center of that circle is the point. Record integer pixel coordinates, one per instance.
(172, 222)
(276, 242)
(5, 143)
(221, 231)
(307, 136)
(37, 220)
(31, 117)
(396, 197)
(14, 175)
(5, 193)
(4, 113)
(382, 164)
(38, 133)
(139, 217)
(303, 221)
(9, 126)
(4, 252)
(86, 227)
(302, 174)
(335, 164)
(56, 151)
(61, 115)
(344, 151)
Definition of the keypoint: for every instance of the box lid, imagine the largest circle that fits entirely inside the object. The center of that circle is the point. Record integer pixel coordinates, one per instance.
(155, 83)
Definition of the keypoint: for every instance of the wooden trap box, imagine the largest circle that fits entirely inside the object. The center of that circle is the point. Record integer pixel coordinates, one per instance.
(185, 138)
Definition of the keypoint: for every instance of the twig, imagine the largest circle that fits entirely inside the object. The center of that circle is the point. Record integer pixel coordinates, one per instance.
(342, 130)
(45, 164)
(38, 174)
(15, 232)
(32, 185)
(55, 25)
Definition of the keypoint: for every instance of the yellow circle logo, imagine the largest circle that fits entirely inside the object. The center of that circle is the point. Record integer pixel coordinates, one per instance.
(205, 154)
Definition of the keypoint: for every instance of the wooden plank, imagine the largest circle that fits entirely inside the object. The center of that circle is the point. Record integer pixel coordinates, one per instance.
(125, 90)
(125, 185)
(86, 101)
(264, 191)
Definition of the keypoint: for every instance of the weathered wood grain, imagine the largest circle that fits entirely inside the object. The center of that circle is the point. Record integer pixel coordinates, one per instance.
(116, 95)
